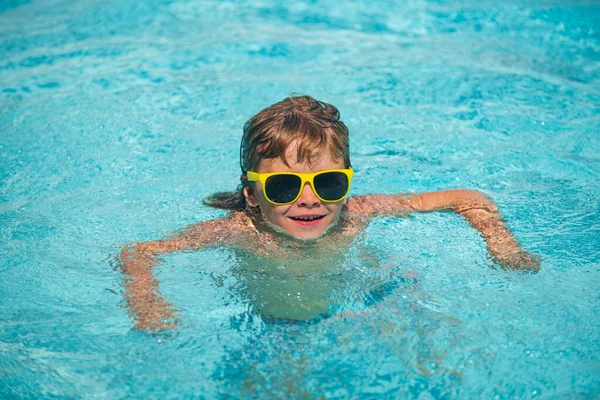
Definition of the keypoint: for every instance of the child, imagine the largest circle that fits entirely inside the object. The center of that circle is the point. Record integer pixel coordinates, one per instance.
(296, 175)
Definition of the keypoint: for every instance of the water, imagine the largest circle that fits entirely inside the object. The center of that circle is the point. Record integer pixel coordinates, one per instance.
(117, 118)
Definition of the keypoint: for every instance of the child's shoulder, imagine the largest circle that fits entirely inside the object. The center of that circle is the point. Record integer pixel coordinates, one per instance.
(381, 204)
(218, 231)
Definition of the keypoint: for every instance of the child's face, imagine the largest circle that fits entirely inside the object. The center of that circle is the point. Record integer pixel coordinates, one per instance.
(292, 218)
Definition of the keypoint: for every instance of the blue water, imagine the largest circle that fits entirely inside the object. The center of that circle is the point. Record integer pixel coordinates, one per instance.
(117, 118)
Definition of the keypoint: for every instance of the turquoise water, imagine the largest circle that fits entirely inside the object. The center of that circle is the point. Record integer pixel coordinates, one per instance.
(117, 118)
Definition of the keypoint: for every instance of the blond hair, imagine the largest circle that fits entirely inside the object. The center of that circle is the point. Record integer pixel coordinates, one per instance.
(309, 124)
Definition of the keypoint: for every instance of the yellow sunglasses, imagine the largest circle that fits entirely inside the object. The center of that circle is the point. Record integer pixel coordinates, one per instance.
(282, 188)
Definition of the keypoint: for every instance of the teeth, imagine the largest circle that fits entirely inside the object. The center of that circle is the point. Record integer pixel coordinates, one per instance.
(307, 218)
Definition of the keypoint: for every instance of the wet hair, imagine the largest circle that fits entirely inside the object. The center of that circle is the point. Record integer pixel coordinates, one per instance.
(309, 124)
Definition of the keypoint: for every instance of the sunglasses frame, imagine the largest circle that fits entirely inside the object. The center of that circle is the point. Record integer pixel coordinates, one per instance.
(304, 178)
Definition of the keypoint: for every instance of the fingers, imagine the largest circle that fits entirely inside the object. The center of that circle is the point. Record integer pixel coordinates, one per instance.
(521, 261)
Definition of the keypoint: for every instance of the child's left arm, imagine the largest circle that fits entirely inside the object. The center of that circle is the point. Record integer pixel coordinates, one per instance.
(478, 209)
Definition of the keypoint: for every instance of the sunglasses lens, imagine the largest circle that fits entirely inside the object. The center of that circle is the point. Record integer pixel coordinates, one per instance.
(282, 188)
(331, 186)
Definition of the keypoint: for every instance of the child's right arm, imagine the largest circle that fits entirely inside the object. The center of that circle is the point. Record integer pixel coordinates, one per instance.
(137, 260)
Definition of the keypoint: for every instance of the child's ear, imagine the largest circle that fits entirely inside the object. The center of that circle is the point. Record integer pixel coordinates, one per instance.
(250, 197)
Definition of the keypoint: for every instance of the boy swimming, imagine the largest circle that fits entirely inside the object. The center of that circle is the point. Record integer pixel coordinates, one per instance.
(295, 181)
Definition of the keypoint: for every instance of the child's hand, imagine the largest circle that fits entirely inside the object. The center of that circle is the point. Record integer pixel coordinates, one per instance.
(157, 320)
(152, 313)
(519, 260)
(501, 244)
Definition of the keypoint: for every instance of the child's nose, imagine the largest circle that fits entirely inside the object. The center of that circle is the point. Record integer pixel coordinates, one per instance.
(307, 197)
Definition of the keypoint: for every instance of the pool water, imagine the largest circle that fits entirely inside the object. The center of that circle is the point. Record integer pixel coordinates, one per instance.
(118, 118)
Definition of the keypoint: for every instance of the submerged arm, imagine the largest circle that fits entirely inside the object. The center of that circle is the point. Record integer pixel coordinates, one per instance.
(478, 209)
(137, 260)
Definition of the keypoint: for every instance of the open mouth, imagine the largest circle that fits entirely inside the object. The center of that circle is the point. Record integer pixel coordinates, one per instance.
(307, 219)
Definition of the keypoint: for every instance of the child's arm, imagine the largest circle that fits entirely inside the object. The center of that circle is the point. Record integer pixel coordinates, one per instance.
(147, 306)
(478, 209)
